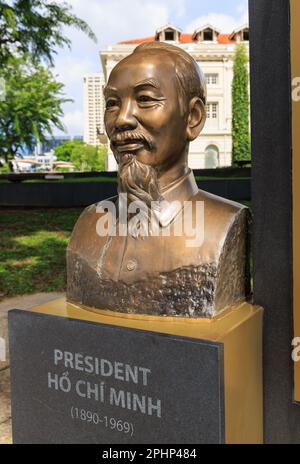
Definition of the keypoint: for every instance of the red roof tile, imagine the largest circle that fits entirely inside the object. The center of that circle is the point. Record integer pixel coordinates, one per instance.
(224, 39)
(184, 38)
(138, 41)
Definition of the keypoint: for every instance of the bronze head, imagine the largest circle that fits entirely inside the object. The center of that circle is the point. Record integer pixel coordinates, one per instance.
(155, 105)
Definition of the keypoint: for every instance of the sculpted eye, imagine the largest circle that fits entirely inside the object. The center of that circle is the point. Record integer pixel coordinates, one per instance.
(145, 98)
(111, 103)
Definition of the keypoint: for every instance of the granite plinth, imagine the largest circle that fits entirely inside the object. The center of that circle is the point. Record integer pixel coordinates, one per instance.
(81, 377)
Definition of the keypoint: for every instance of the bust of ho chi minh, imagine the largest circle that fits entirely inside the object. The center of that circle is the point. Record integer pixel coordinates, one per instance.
(162, 246)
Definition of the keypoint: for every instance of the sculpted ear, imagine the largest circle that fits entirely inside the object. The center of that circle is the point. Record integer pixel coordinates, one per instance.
(196, 118)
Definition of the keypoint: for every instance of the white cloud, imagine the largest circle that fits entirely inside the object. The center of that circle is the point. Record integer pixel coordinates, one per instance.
(119, 20)
(70, 69)
(73, 120)
(226, 23)
(116, 20)
(243, 11)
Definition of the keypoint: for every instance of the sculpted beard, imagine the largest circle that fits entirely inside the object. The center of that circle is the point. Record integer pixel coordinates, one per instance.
(140, 183)
(138, 180)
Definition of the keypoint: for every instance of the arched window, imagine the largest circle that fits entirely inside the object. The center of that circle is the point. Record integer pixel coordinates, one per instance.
(211, 157)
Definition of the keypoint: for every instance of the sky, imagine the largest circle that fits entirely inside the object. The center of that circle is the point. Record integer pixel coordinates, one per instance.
(115, 20)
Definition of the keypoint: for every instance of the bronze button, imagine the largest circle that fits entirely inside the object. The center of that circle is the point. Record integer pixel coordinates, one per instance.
(131, 265)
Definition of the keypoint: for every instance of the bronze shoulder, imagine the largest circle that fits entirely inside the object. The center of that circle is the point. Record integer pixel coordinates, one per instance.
(84, 237)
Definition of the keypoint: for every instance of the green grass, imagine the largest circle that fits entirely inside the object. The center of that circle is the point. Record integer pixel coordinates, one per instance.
(32, 249)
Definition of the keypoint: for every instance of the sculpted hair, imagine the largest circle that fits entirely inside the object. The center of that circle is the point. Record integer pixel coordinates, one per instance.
(190, 77)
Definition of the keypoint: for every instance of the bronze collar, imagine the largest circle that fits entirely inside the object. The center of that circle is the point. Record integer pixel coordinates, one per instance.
(176, 194)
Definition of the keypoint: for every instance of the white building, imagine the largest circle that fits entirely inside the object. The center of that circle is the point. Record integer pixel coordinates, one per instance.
(93, 108)
(34, 163)
(214, 53)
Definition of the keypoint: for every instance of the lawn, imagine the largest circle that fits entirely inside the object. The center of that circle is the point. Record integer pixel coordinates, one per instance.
(32, 249)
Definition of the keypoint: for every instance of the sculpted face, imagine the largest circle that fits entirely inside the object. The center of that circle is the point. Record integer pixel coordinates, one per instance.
(143, 116)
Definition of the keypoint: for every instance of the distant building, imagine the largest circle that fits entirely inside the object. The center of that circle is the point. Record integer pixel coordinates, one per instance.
(34, 163)
(214, 53)
(93, 108)
(42, 157)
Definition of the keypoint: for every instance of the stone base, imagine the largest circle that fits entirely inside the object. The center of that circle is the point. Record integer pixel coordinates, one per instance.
(84, 377)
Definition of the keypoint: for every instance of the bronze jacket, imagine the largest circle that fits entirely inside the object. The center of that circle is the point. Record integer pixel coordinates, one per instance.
(163, 275)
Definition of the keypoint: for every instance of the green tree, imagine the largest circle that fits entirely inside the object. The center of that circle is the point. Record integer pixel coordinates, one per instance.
(30, 33)
(89, 157)
(36, 27)
(240, 107)
(32, 107)
(64, 151)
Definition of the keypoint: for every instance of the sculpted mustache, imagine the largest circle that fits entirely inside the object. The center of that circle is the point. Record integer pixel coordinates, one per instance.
(128, 136)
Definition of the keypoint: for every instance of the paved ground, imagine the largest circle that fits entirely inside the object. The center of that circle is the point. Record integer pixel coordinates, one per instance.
(20, 302)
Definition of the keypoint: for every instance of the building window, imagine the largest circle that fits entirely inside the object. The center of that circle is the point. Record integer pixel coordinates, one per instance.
(212, 116)
(208, 35)
(212, 110)
(211, 157)
(169, 35)
(245, 35)
(212, 79)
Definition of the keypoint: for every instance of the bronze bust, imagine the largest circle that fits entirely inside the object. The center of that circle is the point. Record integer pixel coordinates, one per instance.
(155, 105)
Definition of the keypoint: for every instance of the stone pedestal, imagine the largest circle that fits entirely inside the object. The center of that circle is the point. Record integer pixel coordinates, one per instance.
(84, 377)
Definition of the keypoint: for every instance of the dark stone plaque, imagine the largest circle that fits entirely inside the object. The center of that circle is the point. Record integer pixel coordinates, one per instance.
(83, 382)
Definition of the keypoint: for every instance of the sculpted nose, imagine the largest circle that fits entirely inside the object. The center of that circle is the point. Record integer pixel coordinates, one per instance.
(126, 119)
